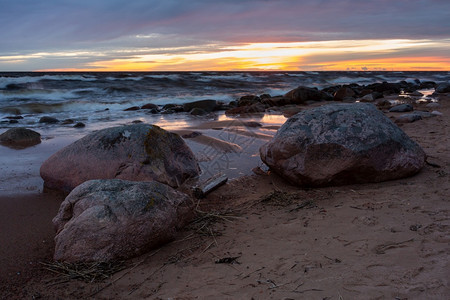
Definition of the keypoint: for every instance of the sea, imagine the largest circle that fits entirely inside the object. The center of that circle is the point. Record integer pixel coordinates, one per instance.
(94, 98)
(99, 100)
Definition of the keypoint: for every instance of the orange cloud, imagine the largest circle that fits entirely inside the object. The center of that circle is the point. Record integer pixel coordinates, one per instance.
(290, 56)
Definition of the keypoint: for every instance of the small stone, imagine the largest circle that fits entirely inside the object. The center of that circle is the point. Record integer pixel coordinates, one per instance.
(402, 108)
(68, 121)
(367, 98)
(436, 113)
(408, 118)
(432, 105)
(79, 125)
(416, 94)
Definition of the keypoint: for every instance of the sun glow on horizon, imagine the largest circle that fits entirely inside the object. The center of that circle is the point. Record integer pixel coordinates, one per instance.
(339, 55)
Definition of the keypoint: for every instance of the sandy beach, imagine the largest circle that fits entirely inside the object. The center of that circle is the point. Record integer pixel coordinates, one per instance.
(258, 237)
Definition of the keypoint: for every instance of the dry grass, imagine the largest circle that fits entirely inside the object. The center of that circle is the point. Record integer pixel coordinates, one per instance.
(87, 272)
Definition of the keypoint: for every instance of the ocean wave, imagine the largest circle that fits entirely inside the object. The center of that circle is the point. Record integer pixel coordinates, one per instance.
(350, 80)
(38, 94)
(163, 76)
(6, 81)
(123, 78)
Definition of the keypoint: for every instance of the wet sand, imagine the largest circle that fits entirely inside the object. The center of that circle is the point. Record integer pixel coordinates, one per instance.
(370, 241)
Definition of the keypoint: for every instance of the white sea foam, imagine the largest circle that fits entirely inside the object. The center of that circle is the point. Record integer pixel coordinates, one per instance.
(164, 76)
(350, 80)
(7, 80)
(134, 78)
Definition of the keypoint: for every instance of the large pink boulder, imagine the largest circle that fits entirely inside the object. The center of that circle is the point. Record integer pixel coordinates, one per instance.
(341, 144)
(139, 152)
(103, 220)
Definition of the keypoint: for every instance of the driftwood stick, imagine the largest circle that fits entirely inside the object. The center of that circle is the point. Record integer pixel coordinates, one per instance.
(209, 185)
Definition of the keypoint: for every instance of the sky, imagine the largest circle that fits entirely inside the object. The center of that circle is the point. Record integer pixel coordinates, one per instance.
(225, 35)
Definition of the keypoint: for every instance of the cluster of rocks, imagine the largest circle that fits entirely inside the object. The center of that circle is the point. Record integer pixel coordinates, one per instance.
(373, 93)
(413, 115)
(45, 120)
(122, 180)
(201, 107)
(248, 104)
(300, 96)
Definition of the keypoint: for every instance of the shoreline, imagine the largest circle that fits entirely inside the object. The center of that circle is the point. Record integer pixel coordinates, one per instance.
(364, 217)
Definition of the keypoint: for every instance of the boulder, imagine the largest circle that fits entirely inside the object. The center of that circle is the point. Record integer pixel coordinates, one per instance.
(341, 144)
(342, 93)
(443, 87)
(385, 88)
(20, 138)
(206, 105)
(138, 152)
(248, 100)
(104, 220)
(302, 94)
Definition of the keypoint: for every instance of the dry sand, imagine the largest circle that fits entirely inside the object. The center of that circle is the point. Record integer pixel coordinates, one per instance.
(260, 238)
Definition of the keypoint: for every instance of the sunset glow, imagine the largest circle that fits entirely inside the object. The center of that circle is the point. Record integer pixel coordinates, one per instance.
(294, 56)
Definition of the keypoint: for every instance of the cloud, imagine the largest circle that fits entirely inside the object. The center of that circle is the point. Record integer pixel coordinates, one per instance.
(67, 23)
(119, 29)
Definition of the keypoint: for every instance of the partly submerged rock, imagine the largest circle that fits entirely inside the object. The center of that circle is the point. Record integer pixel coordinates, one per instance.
(341, 144)
(103, 220)
(48, 120)
(249, 109)
(206, 105)
(303, 94)
(20, 138)
(138, 152)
